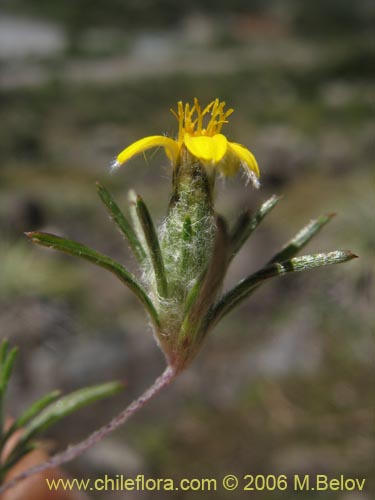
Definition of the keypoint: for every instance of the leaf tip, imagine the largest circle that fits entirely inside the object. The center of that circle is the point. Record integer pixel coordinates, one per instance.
(275, 198)
(331, 215)
(352, 255)
(35, 236)
(32, 235)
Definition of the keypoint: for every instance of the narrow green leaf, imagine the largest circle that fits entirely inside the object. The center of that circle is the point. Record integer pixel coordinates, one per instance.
(74, 248)
(132, 200)
(7, 368)
(247, 223)
(245, 287)
(36, 408)
(301, 239)
(30, 413)
(153, 244)
(122, 222)
(3, 350)
(294, 245)
(65, 406)
(3, 356)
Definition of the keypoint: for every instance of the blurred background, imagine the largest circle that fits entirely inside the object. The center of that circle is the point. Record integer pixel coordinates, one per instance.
(285, 383)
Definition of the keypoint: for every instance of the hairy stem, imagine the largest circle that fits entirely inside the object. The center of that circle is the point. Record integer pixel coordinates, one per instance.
(75, 451)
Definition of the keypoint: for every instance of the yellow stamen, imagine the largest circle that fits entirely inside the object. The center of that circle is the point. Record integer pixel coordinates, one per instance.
(190, 118)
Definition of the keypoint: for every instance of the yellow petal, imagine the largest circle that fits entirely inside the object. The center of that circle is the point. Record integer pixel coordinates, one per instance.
(170, 146)
(206, 148)
(245, 156)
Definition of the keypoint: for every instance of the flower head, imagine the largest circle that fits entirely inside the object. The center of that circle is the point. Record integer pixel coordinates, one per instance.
(199, 131)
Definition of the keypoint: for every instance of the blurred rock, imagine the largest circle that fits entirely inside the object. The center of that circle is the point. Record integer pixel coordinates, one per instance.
(23, 37)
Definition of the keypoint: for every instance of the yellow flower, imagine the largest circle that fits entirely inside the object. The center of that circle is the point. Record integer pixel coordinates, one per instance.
(204, 141)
